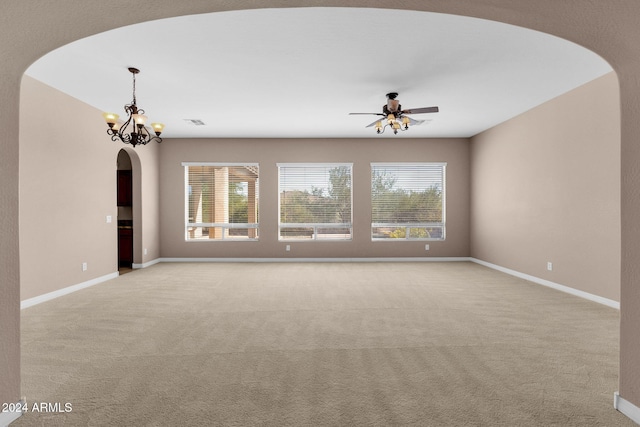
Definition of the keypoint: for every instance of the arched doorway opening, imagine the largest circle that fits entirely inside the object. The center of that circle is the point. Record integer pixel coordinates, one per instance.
(124, 198)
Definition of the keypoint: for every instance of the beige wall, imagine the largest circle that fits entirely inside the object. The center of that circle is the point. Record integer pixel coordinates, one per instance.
(269, 152)
(68, 188)
(146, 220)
(546, 188)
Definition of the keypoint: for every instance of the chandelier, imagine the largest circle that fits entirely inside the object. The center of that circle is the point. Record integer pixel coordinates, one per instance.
(133, 131)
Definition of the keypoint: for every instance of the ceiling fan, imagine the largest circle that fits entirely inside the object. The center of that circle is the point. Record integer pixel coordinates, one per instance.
(395, 116)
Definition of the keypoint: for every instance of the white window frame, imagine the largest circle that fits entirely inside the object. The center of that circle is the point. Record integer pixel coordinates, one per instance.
(411, 225)
(225, 226)
(316, 236)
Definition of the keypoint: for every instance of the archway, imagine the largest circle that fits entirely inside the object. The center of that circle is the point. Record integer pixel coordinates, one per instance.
(129, 206)
(612, 32)
(124, 198)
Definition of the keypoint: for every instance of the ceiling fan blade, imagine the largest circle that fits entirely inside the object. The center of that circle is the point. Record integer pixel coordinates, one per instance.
(414, 122)
(368, 114)
(374, 123)
(421, 110)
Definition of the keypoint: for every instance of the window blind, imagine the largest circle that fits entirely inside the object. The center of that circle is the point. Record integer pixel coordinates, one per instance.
(221, 201)
(315, 201)
(408, 201)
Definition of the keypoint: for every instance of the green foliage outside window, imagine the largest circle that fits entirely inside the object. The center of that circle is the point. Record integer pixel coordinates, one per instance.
(320, 205)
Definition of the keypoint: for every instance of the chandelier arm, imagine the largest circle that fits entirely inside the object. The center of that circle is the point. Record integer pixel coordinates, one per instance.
(152, 137)
(122, 132)
(144, 133)
(114, 135)
(117, 136)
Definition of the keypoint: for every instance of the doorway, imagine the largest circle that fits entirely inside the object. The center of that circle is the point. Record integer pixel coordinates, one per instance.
(124, 196)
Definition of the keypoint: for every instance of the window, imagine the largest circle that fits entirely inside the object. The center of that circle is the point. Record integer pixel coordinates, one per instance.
(407, 201)
(314, 201)
(221, 201)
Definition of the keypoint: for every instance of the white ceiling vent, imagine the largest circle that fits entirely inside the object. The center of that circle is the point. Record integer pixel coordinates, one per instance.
(195, 122)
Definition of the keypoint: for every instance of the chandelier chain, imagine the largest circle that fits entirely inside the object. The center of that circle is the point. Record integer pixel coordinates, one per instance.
(134, 88)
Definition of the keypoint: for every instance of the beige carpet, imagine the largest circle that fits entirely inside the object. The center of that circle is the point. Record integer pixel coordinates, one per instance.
(321, 344)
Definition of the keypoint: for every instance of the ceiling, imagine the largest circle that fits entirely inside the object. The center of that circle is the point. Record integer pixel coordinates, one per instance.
(293, 73)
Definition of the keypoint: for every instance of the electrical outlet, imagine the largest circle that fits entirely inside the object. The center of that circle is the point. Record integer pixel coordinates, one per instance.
(84, 266)
(426, 247)
(145, 251)
(287, 248)
(108, 219)
(550, 266)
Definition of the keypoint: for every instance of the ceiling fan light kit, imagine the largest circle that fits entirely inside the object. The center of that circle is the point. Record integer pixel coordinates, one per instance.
(394, 115)
(133, 131)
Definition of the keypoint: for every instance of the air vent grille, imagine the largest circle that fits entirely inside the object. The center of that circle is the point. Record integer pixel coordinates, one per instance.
(195, 122)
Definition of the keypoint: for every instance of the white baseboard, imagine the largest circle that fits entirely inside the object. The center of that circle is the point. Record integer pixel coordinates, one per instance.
(64, 291)
(386, 259)
(146, 264)
(7, 418)
(591, 297)
(627, 408)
